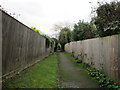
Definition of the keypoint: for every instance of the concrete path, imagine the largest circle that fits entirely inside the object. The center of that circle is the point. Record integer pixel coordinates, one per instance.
(71, 76)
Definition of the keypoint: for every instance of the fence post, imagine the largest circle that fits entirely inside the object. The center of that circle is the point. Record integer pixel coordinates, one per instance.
(0, 49)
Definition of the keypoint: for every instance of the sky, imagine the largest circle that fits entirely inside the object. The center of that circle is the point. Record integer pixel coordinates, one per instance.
(45, 14)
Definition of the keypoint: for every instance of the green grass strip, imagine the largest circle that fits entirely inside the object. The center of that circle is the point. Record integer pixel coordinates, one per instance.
(41, 75)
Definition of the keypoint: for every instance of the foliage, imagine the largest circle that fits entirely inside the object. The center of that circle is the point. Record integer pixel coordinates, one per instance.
(36, 30)
(59, 46)
(113, 28)
(51, 40)
(41, 75)
(102, 79)
(65, 36)
(83, 30)
(56, 44)
(107, 19)
(107, 22)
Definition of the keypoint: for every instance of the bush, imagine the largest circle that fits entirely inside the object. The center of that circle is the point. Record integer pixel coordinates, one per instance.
(83, 30)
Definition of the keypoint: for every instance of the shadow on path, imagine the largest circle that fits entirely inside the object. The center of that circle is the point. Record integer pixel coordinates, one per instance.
(71, 76)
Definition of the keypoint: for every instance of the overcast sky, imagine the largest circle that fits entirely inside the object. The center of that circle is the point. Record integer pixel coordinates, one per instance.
(44, 14)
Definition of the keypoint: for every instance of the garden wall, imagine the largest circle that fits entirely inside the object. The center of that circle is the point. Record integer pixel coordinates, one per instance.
(21, 45)
(101, 53)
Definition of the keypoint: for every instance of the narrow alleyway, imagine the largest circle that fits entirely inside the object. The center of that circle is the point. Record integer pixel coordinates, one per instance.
(44, 75)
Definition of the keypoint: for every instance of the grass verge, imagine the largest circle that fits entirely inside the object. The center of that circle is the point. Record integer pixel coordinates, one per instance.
(41, 75)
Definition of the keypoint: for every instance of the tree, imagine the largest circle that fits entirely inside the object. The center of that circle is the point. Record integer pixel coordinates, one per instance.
(59, 26)
(65, 36)
(83, 30)
(56, 44)
(108, 19)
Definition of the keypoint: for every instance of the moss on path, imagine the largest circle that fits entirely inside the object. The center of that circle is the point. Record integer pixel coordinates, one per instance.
(72, 76)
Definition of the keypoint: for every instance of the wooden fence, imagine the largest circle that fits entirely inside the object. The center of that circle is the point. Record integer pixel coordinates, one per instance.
(21, 46)
(101, 53)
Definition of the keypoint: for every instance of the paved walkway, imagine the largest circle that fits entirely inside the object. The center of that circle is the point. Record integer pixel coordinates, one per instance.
(71, 76)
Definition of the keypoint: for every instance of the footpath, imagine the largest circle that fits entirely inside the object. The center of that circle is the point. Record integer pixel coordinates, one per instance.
(71, 76)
